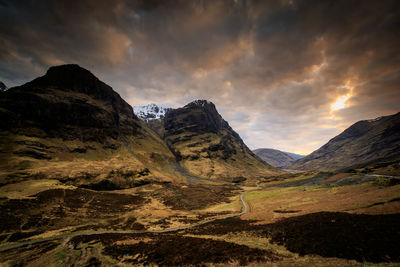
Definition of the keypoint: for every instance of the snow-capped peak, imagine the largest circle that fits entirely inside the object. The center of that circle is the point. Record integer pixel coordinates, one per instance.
(151, 112)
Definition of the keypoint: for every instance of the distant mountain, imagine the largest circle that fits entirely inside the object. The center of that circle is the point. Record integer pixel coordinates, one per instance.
(3, 87)
(364, 141)
(150, 112)
(274, 157)
(295, 156)
(68, 122)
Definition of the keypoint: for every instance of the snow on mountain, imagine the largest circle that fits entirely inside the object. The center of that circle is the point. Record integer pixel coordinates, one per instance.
(201, 102)
(150, 112)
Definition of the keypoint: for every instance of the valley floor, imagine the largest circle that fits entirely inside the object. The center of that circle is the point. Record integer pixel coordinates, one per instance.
(303, 219)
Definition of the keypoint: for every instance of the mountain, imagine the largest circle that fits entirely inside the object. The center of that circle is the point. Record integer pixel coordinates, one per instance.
(3, 87)
(68, 123)
(274, 157)
(150, 112)
(71, 126)
(295, 156)
(364, 141)
(153, 116)
(207, 146)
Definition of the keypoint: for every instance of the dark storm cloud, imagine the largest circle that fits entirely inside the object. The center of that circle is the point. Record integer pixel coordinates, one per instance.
(273, 68)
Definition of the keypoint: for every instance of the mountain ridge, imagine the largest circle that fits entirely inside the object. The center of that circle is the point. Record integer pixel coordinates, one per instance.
(207, 146)
(275, 157)
(150, 112)
(68, 122)
(364, 141)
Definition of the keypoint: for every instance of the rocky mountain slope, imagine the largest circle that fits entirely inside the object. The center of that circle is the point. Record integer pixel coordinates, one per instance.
(203, 141)
(153, 116)
(364, 141)
(207, 146)
(274, 157)
(68, 123)
(150, 112)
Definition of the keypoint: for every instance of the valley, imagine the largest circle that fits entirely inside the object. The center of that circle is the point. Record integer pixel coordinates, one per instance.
(84, 181)
(265, 223)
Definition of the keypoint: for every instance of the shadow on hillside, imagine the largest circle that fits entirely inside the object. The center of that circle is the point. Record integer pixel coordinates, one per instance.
(372, 238)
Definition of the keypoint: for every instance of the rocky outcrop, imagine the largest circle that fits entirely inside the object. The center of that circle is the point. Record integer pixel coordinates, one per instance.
(199, 117)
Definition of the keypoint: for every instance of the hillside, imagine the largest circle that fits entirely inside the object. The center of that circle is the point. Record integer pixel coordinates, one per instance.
(70, 124)
(364, 141)
(274, 157)
(203, 142)
(294, 155)
(207, 146)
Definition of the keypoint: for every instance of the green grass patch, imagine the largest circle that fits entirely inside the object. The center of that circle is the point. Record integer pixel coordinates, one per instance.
(61, 257)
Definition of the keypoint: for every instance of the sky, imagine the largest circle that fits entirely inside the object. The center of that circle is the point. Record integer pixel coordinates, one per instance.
(286, 74)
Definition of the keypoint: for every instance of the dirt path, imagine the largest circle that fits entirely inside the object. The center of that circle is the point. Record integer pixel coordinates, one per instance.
(244, 211)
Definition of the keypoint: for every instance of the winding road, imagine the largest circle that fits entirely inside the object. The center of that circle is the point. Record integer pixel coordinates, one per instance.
(244, 211)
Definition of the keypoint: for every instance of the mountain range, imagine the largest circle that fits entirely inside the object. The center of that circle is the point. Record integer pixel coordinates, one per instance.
(203, 141)
(363, 142)
(68, 123)
(276, 157)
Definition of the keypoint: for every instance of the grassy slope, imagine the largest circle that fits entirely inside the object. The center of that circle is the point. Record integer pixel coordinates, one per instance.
(200, 160)
(364, 141)
(31, 154)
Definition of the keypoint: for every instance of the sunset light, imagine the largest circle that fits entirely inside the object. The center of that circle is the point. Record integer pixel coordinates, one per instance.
(199, 133)
(340, 102)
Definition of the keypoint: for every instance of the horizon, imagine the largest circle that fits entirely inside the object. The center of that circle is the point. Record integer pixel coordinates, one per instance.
(283, 76)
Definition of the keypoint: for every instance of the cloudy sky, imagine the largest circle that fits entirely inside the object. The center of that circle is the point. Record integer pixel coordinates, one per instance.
(285, 74)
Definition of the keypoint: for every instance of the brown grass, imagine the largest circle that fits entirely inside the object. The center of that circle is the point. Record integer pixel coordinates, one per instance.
(306, 200)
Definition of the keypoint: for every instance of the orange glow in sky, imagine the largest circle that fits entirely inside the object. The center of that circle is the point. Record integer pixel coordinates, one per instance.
(340, 102)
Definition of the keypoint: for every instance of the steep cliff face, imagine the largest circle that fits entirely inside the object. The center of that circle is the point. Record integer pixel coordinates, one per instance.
(208, 147)
(153, 115)
(70, 118)
(362, 142)
(151, 112)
